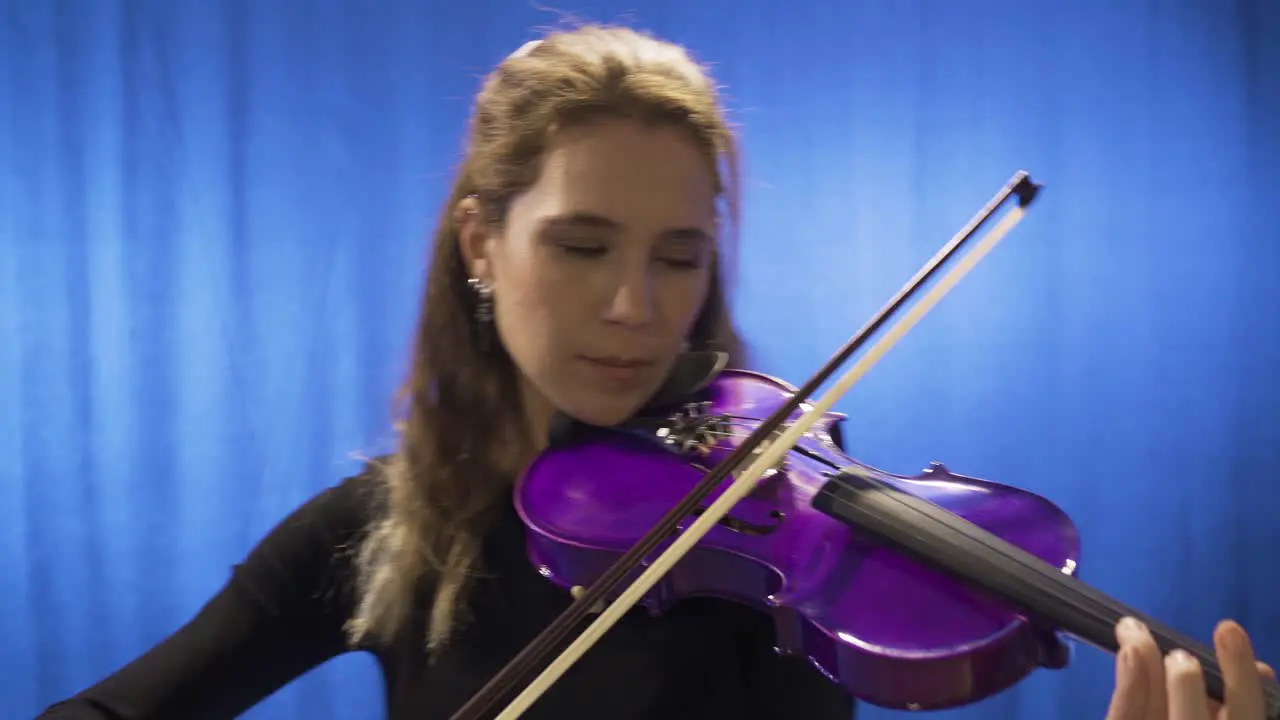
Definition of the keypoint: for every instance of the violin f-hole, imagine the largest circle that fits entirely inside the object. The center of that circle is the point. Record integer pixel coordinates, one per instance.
(747, 527)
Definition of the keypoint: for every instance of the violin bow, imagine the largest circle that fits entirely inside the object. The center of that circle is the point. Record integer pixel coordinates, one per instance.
(1020, 187)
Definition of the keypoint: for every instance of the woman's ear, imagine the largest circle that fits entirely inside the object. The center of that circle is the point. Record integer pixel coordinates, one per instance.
(472, 237)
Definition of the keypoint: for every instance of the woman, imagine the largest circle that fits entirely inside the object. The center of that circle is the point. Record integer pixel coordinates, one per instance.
(578, 258)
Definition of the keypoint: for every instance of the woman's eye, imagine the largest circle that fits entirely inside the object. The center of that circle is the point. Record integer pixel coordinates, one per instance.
(678, 258)
(683, 263)
(583, 249)
(683, 256)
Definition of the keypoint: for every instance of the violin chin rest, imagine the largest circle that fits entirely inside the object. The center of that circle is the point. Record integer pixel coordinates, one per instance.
(690, 374)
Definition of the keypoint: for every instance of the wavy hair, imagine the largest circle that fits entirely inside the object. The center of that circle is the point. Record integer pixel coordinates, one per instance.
(454, 459)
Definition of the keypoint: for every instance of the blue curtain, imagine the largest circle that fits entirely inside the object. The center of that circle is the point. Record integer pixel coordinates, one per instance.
(212, 233)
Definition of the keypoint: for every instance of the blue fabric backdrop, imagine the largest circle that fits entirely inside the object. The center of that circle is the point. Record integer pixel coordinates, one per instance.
(212, 223)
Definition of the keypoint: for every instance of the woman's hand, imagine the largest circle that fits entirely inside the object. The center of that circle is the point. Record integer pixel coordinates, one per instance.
(1151, 687)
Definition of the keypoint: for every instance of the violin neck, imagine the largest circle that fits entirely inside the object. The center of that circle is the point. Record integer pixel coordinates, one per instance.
(1046, 594)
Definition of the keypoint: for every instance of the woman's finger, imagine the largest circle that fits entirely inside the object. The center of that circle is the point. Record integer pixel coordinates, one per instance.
(1186, 692)
(1151, 660)
(1240, 672)
(1129, 699)
(1139, 692)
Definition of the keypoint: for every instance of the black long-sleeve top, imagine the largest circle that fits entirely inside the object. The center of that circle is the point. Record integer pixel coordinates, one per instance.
(283, 610)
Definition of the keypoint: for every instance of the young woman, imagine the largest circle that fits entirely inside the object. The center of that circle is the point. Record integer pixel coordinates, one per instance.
(577, 269)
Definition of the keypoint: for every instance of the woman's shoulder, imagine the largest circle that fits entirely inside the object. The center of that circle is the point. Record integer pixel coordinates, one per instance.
(309, 555)
(342, 510)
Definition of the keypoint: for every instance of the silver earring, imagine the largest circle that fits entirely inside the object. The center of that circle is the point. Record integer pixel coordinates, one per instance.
(484, 300)
(483, 310)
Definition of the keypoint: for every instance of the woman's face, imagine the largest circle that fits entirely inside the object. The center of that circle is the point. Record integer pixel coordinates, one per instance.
(601, 269)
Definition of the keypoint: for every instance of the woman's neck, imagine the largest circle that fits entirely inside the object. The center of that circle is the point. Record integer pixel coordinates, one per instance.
(537, 412)
(518, 438)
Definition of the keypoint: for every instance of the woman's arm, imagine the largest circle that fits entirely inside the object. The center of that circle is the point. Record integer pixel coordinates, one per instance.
(280, 615)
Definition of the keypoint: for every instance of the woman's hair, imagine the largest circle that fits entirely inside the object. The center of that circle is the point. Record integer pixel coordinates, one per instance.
(461, 436)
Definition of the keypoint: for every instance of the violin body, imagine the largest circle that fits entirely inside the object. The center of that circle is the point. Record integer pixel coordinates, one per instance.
(891, 630)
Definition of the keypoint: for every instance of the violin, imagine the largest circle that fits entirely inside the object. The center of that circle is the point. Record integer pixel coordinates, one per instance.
(917, 592)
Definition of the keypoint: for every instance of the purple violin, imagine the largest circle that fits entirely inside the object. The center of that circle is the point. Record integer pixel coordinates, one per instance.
(891, 629)
(922, 592)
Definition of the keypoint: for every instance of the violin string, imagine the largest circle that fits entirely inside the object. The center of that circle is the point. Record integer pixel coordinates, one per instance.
(1112, 610)
(1093, 613)
(1100, 608)
(554, 634)
(1100, 612)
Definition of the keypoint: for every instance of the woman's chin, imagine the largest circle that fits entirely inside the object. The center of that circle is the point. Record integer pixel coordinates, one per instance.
(604, 412)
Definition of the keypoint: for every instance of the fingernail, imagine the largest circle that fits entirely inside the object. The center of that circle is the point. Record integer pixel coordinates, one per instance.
(1182, 659)
(1131, 628)
(1231, 636)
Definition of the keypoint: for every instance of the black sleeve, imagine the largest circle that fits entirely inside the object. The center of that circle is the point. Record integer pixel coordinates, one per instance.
(780, 686)
(280, 615)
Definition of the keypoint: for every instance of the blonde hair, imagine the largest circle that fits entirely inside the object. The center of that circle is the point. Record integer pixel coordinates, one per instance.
(442, 485)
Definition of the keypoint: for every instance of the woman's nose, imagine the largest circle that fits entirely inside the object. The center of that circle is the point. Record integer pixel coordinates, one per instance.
(632, 301)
